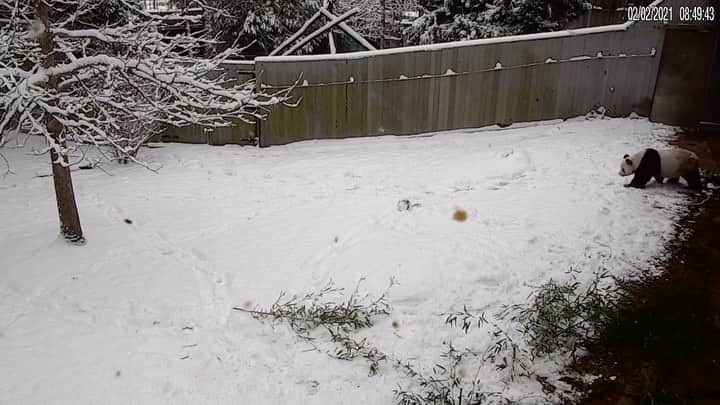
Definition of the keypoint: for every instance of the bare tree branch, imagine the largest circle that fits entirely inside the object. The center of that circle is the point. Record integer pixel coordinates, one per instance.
(113, 77)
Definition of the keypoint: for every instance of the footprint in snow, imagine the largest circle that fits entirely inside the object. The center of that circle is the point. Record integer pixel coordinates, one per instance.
(193, 164)
(199, 254)
(310, 385)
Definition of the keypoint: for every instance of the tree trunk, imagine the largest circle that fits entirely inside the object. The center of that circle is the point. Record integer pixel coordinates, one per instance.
(64, 194)
(382, 24)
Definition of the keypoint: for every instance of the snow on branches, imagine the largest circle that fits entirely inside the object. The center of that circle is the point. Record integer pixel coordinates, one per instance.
(263, 25)
(369, 22)
(79, 78)
(458, 20)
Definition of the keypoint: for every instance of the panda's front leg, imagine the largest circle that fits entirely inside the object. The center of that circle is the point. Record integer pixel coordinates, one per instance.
(638, 181)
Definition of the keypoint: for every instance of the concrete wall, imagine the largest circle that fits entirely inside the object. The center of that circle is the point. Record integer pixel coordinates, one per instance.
(704, 4)
(687, 86)
(606, 12)
(360, 94)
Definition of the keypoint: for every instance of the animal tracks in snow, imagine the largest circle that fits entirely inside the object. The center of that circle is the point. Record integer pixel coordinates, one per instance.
(215, 295)
(324, 261)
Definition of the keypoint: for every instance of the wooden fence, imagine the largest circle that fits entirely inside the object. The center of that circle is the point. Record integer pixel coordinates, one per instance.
(469, 84)
(240, 133)
(465, 84)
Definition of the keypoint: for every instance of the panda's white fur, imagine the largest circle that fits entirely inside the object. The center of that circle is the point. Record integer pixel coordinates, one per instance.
(660, 164)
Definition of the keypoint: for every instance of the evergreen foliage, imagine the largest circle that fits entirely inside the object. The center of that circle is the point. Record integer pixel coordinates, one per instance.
(262, 24)
(458, 20)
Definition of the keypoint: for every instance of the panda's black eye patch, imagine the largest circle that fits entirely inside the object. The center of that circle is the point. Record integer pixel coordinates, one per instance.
(628, 161)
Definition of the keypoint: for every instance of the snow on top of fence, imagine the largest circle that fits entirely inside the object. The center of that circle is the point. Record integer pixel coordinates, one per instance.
(457, 44)
(447, 45)
(449, 72)
(238, 62)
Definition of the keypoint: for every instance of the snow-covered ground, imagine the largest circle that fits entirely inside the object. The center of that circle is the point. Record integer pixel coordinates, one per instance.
(142, 313)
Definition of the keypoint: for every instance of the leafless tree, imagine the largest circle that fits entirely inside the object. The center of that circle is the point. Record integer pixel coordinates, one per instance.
(79, 80)
(370, 22)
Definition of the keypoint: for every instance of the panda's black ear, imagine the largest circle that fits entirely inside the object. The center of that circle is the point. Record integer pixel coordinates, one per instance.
(626, 156)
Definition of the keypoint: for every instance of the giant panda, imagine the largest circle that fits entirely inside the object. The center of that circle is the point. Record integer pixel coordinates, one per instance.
(660, 164)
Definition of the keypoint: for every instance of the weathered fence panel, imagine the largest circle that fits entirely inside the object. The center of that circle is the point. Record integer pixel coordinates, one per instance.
(461, 85)
(240, 133)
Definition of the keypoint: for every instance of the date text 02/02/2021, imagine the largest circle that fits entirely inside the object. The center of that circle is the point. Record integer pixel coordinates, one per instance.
(686, 14)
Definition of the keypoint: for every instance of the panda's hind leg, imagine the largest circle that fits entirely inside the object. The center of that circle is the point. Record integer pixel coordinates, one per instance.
(693, 180)
(673, 180)
(659, 179)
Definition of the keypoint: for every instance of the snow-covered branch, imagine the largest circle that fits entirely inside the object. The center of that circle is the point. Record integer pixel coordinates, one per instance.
(369, 22)
(104, 79)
